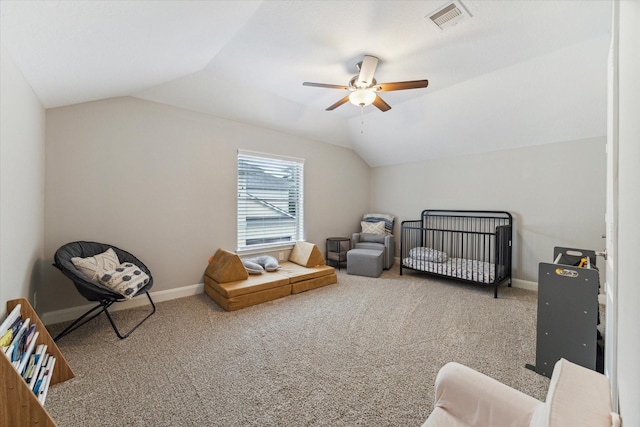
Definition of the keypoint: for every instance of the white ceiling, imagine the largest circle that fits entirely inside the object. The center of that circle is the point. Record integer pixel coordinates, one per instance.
(517, 73)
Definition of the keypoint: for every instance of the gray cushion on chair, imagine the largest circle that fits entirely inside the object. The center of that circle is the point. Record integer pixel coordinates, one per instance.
(370, 245)
(373, 238)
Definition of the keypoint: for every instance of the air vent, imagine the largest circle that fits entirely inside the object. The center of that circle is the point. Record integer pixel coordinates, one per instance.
(448, 15)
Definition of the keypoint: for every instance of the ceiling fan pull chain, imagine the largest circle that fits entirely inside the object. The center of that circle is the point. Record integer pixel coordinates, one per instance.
(362, 119)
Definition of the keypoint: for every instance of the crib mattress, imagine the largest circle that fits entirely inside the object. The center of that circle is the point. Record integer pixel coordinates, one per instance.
(459, 268)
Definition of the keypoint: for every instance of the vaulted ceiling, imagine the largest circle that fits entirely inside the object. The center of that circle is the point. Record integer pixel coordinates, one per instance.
(514, 74)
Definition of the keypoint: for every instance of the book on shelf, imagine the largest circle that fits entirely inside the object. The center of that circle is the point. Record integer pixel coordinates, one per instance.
(38, 378)
(46, 379)
(14, 351)
(10, 334)
(28, 345)
(32, 375)
(30, 366)
(18, 341)
(10, 319)
(7, 337)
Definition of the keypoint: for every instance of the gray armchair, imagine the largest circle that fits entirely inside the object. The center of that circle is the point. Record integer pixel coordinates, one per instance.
(386, 243)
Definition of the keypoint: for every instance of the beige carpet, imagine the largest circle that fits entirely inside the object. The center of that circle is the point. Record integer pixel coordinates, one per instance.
(361, 352)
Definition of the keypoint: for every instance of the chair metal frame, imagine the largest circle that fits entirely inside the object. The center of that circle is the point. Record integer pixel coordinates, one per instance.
(104, 307)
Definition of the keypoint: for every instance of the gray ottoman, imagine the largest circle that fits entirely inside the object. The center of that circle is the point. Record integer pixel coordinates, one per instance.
(364, 262)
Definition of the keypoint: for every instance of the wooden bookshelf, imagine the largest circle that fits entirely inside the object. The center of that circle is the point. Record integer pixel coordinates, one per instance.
(19, 406)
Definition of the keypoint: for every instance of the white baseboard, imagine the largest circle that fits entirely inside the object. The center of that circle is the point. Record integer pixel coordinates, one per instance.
(524, 284)
(57, 316)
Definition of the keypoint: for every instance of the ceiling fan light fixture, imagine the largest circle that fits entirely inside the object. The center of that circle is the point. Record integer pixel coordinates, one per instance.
(363, 88)
(362, 97)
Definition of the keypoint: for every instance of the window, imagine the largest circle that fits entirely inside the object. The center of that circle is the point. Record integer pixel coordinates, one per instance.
(270, 200)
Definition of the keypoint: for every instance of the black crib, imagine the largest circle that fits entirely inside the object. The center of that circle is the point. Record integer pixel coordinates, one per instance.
(470, 246)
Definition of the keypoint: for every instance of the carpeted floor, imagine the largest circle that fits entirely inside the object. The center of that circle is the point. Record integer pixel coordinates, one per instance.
(361, 352)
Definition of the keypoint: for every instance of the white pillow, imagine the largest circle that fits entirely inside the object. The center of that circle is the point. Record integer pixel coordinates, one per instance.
(428, 254)
(95, 266)
(372, 227)
(126, 279)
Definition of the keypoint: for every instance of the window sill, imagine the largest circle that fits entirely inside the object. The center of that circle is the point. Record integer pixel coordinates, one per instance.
(265, 249)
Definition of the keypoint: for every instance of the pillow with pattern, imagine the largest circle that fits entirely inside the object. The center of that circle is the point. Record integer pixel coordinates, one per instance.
(428, 254)
(95, 266)
(372, 227)
(126, 279)
(387, 219)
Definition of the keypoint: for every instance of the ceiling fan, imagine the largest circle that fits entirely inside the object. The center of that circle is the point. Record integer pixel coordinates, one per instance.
(364, 88)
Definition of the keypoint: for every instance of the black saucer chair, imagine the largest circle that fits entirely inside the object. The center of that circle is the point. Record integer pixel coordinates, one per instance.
(93, 290)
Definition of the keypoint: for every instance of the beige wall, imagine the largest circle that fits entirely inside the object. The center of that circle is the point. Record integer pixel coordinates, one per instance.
(22, 126)
(555, 192)
(160, 182)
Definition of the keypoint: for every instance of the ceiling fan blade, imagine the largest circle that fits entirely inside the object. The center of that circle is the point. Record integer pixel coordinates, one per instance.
(325, 85)
(367, 68)
(339, 103)
(414, 84)
(382, 106)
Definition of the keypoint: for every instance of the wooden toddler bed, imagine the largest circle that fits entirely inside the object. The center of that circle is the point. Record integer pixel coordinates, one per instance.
(471, 246)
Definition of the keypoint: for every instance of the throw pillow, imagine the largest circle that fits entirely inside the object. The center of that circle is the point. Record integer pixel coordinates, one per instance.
(267, 262)
(375, 217)
(372, 227)
(252, 267)
(95, 266)
(126, 279)
(428, 254)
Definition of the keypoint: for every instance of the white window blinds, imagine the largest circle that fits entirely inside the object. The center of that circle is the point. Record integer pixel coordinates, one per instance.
(270, 200)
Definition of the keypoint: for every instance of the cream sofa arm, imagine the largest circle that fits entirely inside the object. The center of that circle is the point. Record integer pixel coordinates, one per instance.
(577, 396)
(465, 397)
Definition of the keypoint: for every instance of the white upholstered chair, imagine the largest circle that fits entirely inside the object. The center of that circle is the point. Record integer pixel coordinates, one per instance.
(577, 396)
